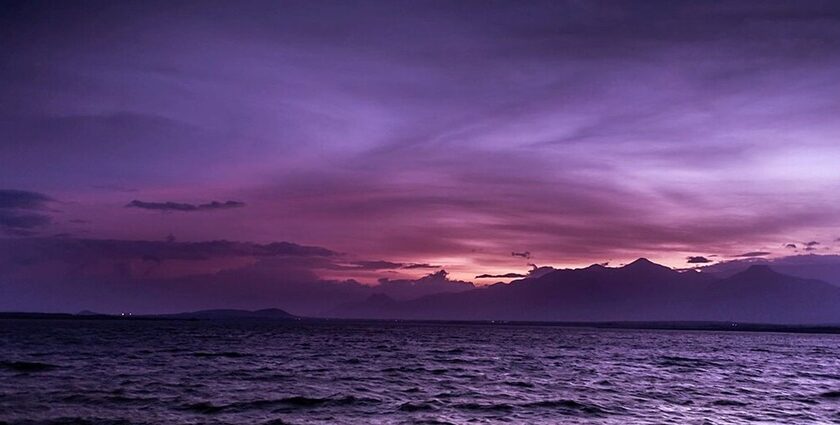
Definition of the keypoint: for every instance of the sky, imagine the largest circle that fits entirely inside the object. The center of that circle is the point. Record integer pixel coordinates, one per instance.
(479, 137)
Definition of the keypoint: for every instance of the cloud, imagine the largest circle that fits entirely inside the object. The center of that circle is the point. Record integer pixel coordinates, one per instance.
(535, 272)
(177, 206)
(501, 276)
(20, 212)
(524, 254)
(436, 154)
(697, 260)
(384, 265)
(811, 246)
(539, 271)
(753, 254)
(411, 266)
(69, 274)
(437, 282)
(22, 223)
(375, 265)
(89, 251)
(22, 199)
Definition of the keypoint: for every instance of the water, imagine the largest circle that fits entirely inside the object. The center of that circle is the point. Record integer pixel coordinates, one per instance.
(174, 372)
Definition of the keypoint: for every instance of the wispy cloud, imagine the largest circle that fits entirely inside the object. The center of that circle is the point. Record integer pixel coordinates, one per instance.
(754, 254)
(501, 276)
(184, 207)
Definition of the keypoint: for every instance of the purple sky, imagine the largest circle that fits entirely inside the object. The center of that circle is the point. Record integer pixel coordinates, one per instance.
(449, 134)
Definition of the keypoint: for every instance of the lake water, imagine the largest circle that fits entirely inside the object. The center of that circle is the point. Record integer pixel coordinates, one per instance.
(181, 372)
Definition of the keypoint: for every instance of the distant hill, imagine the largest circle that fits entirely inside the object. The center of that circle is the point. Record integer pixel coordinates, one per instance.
(269, 313)
(266, 314)
(639, 291)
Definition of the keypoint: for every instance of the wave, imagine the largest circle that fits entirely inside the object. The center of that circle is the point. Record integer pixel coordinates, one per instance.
(519, 384)
(417, 407)
(678, 361)
(495, 407)
(71, 420)
(229, 354)
(570, 405)
(293, 402)
(727, 402)
(27, 367)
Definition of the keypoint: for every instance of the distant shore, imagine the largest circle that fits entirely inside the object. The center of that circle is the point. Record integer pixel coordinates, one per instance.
(663, 325)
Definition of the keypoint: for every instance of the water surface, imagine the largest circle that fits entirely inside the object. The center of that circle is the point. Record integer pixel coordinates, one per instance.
(182, 372)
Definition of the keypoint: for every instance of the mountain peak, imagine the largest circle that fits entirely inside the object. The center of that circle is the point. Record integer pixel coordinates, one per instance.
(644, 264)
(641, 260)
(758, 270)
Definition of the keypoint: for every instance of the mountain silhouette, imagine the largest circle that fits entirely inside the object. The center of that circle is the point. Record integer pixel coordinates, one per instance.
(269, 313)
(759, 294)
(639, 291)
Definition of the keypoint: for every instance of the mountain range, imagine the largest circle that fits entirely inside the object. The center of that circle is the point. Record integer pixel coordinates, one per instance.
(639, 291)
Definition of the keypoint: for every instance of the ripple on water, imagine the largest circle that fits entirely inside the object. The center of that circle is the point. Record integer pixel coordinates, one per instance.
(349, 373)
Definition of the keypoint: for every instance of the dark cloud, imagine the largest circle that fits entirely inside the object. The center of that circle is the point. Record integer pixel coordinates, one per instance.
(18, 223)
(22, 199)
(790, 245)
(96, 250)
(501, 276)
(811, 246)
(177, 206)
(384, 265)
(524, 254)
(754, 254)
(697, 260)
(20, 212)
(375, 265)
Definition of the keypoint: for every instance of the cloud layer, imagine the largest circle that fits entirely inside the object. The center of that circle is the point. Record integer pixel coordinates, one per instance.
(183, 207)
(449, 134)
(71, 274)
